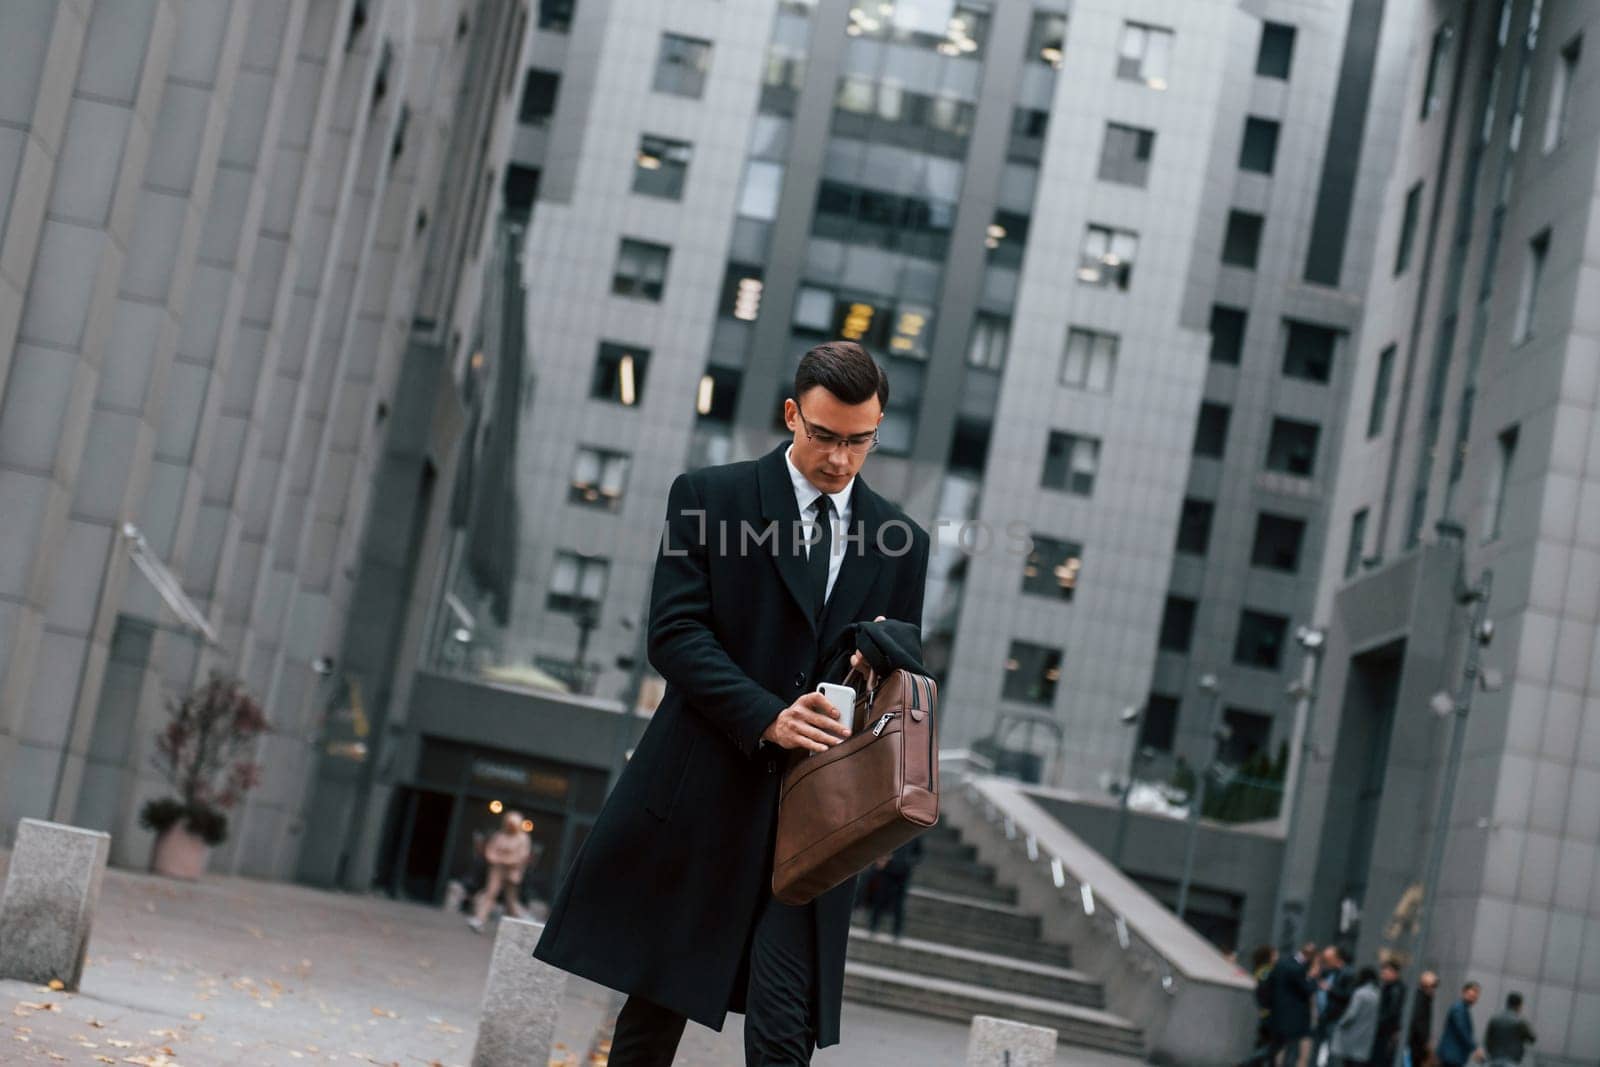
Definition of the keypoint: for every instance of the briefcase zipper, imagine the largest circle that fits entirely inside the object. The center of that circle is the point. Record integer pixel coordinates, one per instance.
(877, 731)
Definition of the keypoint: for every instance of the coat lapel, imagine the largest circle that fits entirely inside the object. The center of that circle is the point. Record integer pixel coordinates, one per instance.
(778, 506)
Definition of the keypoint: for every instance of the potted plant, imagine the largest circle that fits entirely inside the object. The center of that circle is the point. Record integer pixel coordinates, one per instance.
(203, 751)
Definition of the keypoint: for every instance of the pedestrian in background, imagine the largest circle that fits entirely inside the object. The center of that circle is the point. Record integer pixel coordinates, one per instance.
(1333, 996)
(1508, 1034)
(1420, 1038)
(1456, 1043)
(892, 886)
(1391, 1006)
(1294, 984)
(1261, 964)
(506, 854)
(1354, 1037)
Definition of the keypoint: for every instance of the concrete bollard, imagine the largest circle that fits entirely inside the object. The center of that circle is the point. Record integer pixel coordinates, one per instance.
(520, 1001)
(49, 901)
(1003, 1043)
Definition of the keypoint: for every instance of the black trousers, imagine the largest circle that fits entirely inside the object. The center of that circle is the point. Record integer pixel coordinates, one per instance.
(780, 1001)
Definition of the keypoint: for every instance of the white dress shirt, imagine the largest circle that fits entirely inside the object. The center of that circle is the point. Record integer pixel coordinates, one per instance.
(805, 494)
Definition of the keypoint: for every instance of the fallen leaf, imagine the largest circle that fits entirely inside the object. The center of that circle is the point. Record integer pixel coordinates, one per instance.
(384, 1013)
(104, 1059)
(198, 1016)
(57, 985)
(114, 1043)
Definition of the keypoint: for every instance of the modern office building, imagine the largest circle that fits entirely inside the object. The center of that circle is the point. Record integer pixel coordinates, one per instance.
(1101, 249)
(1470, 468)
(240, 260)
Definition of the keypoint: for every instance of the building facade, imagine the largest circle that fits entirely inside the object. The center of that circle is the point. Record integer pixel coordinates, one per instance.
(234, 235)
(1469, 469)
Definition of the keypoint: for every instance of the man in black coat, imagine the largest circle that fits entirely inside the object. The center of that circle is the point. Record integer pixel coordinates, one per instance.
(1293, 983)
(670, 898)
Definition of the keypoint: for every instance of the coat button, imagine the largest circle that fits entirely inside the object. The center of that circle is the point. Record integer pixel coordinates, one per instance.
(800, 679)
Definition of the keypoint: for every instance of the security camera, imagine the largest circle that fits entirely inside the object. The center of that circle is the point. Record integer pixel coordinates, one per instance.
(1442, 703)
(1129, 715)
(1485, 632)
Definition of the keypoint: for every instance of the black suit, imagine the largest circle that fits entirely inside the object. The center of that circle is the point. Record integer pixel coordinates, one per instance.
(1292, 990)
(664, 899)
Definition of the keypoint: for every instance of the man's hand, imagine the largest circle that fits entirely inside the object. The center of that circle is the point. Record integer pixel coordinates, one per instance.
(857, 659)
(810, 723)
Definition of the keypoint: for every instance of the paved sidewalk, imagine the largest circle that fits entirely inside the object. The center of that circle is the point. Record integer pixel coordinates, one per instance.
(237, 973)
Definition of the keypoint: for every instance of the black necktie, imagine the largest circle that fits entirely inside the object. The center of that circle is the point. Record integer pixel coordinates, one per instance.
(821, 551)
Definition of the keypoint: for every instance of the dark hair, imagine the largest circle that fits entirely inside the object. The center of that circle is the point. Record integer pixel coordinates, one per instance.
(1366, 976)
(1390, 965)
(1260, 957)
(1514, 1001)
(844, 369)
(1470, 985)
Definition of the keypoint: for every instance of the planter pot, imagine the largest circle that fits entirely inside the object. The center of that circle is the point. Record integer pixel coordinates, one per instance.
(179, 853)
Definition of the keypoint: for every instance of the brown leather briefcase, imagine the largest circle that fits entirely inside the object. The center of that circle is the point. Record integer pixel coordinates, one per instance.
(863, 798)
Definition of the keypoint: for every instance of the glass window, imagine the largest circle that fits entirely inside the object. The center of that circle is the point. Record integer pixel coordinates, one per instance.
(1408, 228)
(813, 309)
(1499, 479)
(619, 372)
(1556, 113)
(1028, 127)
(758, 199)
(1125, 155)
(1144, 54)
(717, 394)
(641, 269)
(577, 581)
(682, 64)
(1006, 239)
(1249, 733)
(987, 346)
(1355, 550)
(1241, 245)
(954, 30)
(1292, 448)
(660, 166)
(1194, 526)
(1259, 641)
(1177, 624)
(1276, 54)
(742, 286)
(1047, 39)
(1052, 567)
(1158, 728)
(1071, 462)
(598, 475)
(969, 446)
(1090, 360)
(769, 137)
(556, 15)
(1277, 543)
(1227, 334)
(1528, 297)
(1438, 57)
(1380, 392)
(1259, 152)
(1308, 352)
(539, 91)
(1211, 430)
(1032, 672)
(1107, 257)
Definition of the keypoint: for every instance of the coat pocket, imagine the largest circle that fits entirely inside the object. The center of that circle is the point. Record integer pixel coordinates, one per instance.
(672, 767)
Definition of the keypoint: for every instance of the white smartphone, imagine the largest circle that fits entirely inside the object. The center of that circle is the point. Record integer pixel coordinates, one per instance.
(843, 698)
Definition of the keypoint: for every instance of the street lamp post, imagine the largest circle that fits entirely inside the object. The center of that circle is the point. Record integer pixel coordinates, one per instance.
(1130, 717)
(1458, 706)
(1305, 690)
(1215, 733)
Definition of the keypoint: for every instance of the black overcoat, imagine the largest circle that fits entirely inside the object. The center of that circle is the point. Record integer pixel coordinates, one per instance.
(662, 898)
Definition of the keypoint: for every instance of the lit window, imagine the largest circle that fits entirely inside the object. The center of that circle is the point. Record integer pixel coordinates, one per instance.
(1052, 568)
(1107, 257)
(1032, 672)
(577, 582)
(619, 372)
(597, 477)
(660, 166)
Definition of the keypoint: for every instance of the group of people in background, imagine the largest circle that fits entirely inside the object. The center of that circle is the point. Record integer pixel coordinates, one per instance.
(1317, 1010)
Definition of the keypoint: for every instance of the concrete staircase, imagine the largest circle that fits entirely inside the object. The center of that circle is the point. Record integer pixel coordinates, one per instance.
(968, 950)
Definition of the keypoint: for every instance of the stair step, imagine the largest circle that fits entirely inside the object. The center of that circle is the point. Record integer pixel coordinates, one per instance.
(946, 848)
(943, 998)
(973, 881)
(955, 910)
(1000, 973)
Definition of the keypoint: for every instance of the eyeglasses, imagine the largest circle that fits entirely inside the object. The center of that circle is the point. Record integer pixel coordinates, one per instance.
(858, 445)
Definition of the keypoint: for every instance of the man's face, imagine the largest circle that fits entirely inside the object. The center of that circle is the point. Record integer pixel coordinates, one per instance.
(829, 466)
(1390, 974)
(1429, 982)
(1470, 994)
